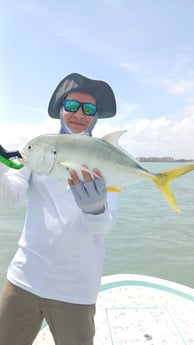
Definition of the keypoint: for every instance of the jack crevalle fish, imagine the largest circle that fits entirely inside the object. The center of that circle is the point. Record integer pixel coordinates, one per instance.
(55, 154)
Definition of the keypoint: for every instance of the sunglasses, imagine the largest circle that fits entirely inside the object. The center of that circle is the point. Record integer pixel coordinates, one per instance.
(73, 106)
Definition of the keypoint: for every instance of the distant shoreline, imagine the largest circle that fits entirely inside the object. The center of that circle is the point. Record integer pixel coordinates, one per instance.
(163, 159)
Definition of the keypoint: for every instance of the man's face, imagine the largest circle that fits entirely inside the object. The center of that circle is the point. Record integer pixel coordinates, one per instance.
(77, 121)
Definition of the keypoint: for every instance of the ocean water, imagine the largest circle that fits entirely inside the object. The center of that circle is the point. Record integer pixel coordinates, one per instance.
(149, 237)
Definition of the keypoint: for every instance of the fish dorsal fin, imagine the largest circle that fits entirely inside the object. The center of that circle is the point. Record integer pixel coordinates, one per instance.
(112, 138)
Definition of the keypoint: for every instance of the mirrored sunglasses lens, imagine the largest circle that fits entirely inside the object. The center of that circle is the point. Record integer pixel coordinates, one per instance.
(89, 109)
(71, 106)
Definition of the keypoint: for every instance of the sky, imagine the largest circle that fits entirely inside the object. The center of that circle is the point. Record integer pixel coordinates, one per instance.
(143, 49)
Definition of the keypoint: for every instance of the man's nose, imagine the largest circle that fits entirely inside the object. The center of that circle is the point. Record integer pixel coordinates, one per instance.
(79, 113)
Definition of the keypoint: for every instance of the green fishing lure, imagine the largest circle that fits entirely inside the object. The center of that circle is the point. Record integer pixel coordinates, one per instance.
(6, 158)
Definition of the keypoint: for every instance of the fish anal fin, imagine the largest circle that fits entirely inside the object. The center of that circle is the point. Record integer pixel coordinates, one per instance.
(113, 189)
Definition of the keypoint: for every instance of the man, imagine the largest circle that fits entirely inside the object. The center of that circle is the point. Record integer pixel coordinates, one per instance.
(56, 271)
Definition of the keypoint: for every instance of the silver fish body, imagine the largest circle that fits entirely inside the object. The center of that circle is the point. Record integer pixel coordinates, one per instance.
(56, 154)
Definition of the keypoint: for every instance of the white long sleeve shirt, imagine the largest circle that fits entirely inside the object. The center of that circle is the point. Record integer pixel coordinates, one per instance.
(61, 250)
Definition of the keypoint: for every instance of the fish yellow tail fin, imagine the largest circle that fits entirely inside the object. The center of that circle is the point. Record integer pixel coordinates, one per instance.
(162, 181)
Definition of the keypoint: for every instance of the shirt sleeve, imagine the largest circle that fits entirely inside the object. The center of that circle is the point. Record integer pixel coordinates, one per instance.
(13, 186)
(102, 223)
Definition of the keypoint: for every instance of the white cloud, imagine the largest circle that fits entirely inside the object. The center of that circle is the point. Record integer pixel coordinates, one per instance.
(173, 72)
(144, 137)
(160, 137)
(178, 88)
(130, 66)
(125, 109)
(13, 134)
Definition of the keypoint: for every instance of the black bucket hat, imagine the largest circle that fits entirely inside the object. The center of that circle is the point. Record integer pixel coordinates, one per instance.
(100, 90)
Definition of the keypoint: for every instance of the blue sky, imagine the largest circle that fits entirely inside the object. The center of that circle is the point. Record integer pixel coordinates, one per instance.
(143, 49)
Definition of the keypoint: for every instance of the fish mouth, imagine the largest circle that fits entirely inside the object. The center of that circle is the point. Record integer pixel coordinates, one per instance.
(22, 158)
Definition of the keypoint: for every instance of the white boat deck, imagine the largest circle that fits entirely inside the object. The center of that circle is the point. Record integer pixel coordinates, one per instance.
(138, 310)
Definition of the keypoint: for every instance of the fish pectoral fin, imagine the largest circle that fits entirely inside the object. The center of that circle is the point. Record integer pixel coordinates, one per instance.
(113, 189)
(78, 168)
(162, 181)
(70, 166)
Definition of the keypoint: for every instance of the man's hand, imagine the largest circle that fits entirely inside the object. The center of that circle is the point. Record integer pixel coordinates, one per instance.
(90, 194)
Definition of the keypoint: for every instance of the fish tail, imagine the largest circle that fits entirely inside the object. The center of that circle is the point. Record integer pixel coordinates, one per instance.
(163, 179)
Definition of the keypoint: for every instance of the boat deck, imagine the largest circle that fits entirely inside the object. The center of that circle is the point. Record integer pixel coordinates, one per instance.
(138, 310)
